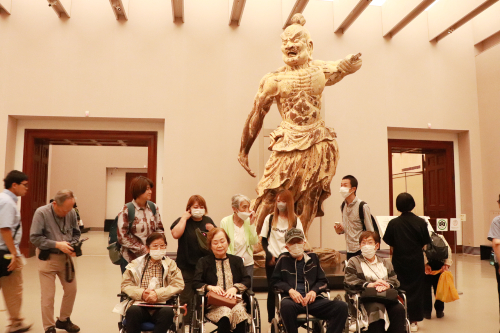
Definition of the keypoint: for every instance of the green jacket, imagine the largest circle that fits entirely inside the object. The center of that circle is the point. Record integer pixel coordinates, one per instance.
(251, 236)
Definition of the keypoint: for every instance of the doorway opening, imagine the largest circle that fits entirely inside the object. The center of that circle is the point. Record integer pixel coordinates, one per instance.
(425, 169)
(36, 162)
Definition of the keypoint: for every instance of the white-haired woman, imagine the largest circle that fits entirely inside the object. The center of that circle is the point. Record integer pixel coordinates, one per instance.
(241, 229)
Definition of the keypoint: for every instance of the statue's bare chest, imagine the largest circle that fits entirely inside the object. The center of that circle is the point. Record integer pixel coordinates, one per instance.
(309, 80)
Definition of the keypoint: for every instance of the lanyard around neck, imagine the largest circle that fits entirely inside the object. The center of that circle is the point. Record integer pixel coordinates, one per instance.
(61, 227)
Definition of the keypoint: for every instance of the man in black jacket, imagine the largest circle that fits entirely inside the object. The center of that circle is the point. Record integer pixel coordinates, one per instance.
(301, 277)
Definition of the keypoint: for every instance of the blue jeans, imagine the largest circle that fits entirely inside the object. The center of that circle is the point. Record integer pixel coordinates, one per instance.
(249, 271)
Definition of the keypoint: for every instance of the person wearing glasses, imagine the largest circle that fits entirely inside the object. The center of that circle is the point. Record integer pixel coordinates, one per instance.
(11, 232)
(149, 279)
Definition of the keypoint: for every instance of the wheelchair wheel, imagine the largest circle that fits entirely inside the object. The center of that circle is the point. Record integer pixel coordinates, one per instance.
(180, 329)
(195, 324)
(275, 326)
(256, 316)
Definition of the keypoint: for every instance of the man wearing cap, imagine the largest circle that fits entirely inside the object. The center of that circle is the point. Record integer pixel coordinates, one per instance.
(300, 276)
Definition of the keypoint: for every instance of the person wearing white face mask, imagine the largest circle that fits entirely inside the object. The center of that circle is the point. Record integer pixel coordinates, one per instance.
(150, 279)
(188, 250)
(272, 237)
(368, 270)
(299, 274)
(353, 209)
(242, 231)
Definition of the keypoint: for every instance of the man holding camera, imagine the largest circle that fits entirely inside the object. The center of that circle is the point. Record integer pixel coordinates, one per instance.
(55, 233)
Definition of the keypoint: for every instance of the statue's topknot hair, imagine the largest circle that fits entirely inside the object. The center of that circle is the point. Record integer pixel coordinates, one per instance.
(298, 19)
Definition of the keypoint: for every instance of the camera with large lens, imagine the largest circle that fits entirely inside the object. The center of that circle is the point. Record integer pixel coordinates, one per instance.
(77, 246)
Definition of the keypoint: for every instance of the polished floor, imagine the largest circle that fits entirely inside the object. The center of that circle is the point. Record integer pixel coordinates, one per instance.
(99, 282)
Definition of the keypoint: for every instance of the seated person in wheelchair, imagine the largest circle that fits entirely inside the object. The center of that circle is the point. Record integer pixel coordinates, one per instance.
(225, 275)
(368, 270)
(151, 278)
(300, 276)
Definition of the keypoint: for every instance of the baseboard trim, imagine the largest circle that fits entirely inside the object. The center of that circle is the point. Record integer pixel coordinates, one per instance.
(96, 228)
(471, 250)
(460, 249)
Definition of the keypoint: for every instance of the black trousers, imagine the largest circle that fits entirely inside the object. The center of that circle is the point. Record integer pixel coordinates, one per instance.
(136, 315)
(498, 280)
(431, 281)
(187, 294)
(396, 314)
(350, 255)
(334, 312)
(271, 300)
(224, 326)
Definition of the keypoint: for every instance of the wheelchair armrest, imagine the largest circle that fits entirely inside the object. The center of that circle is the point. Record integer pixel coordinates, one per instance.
(401, 292)
(200, 292)
(278, 291)
(122, 295)
(249, 292)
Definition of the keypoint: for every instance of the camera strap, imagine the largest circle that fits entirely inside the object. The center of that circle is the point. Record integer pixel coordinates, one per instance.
(70, 269)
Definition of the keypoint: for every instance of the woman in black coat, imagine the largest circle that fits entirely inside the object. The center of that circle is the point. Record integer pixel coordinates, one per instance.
(408, 234)
(225, 275)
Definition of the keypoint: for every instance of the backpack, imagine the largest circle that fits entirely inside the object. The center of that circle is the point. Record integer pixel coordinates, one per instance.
(362, 216)
(113, 245)
(437, 250)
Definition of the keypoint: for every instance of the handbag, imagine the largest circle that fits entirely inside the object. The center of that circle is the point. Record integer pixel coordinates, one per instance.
(201, 237)
(217, 300)
(6, 257)
(389, 296)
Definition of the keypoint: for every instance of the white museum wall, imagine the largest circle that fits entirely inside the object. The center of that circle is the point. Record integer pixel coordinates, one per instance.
(199, 80)
(83, 169)
(488, 82)
(115, 189)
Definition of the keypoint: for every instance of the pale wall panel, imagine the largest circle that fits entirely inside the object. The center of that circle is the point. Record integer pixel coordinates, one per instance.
(487, 23)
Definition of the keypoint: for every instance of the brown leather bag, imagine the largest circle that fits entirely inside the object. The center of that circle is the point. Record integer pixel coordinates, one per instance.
(217, 300)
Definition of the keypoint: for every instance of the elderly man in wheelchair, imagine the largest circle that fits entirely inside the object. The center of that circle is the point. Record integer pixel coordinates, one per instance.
(148, 284)
(301, 280)
(371, 285)
(222, 286)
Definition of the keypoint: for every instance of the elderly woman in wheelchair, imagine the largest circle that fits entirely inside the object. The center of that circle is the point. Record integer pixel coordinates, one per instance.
(301, 284)
(224, 278)
(371, 284)
(147, 284)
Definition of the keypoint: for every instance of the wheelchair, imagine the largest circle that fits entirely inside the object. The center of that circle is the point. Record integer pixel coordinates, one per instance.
(177, 325)
(355, 316)
(198, 318)
(318, 325)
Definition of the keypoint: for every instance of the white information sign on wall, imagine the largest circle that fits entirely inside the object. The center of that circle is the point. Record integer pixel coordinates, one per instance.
(442, 224)
(454, 224)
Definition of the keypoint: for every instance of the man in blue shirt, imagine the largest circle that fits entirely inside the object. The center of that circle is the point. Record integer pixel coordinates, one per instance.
(16, 185)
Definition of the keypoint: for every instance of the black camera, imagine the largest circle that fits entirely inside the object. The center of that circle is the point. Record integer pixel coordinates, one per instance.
(77, 246)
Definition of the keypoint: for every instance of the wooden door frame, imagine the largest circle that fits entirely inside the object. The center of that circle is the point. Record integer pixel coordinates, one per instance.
(425, 144)
(150, 140)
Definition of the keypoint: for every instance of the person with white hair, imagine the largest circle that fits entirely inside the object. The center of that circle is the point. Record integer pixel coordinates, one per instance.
(241, 229)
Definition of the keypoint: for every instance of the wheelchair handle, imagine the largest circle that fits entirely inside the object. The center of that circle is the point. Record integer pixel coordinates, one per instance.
(183, 307)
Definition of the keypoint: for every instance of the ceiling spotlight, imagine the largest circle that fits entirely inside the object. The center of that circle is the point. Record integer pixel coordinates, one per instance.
(52, 3)
(450, 30)
(117, 6)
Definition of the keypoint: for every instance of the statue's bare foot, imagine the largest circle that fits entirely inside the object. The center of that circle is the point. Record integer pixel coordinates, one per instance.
(243, 159)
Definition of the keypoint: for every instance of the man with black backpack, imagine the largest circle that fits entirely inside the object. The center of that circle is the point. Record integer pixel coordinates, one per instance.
(356, 216)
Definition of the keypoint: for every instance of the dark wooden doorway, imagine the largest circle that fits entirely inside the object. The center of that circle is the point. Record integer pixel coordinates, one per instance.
(35, 163)
(438, 179)
(128, 179)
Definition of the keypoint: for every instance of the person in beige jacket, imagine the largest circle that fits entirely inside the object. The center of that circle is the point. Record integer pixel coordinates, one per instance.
(149, 279)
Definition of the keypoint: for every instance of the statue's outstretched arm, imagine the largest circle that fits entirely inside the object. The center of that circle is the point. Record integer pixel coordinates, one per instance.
(268, 89)
(337, 70)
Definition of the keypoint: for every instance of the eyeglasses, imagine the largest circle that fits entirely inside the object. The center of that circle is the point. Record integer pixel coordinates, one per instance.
(24, 184)
(158, 247)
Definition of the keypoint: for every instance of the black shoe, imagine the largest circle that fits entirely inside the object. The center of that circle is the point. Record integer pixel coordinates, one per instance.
(440, 314)
(67, 325)
(427, 315)
(51, 329)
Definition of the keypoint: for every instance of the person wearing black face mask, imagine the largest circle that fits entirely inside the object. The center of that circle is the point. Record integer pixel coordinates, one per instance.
(408, 234)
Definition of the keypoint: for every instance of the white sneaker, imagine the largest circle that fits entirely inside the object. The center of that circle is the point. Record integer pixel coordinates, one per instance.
(413, 327)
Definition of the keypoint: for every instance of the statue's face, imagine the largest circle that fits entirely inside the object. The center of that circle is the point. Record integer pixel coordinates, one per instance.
(295, 48)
